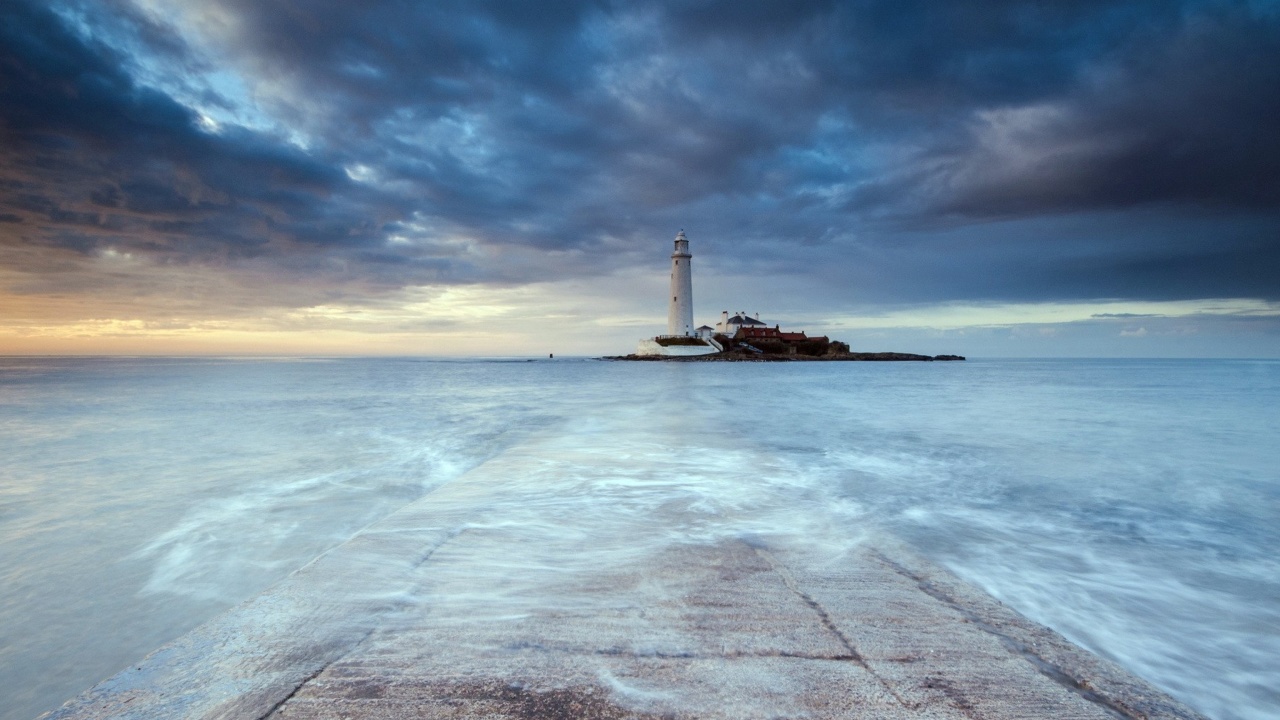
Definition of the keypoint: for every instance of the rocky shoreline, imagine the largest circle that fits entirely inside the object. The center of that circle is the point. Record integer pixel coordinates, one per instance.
(744, 356)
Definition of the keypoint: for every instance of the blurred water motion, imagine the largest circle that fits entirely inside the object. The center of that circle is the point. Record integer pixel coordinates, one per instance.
(1133, 506)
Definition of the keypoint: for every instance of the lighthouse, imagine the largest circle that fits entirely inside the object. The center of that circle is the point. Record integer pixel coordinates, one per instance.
(680, 312)
(682, 339)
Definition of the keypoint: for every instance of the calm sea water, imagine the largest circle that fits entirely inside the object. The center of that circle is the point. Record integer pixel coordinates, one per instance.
(1134, 506)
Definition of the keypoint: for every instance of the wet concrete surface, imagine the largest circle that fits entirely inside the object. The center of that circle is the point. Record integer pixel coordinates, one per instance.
(436, 613)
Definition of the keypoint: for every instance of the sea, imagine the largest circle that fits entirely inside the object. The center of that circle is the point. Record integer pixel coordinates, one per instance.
(1131, 505)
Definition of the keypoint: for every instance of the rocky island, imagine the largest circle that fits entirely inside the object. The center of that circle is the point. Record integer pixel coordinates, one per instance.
(769, 357)
(741, 337)
(804, 349)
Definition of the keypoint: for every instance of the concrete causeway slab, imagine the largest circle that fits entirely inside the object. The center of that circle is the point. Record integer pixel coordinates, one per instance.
(452, 609)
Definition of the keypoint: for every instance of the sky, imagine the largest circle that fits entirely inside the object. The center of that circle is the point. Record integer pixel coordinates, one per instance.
(505, 178)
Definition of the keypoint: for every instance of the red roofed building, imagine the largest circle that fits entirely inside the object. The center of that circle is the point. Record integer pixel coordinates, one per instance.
(790, 342)
(757, 333)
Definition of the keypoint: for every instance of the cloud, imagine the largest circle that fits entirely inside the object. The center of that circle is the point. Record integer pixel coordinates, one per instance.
(93, 160)
(1179, 117)
(878, 152)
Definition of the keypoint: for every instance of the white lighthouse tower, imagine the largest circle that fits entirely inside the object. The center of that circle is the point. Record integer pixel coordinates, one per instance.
(680, 312)
(681, 338)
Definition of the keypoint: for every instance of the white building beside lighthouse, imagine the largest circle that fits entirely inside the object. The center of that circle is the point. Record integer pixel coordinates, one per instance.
(682, 337)
(680, 311)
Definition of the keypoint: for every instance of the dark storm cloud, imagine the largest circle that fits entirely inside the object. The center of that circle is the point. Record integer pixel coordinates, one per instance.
(93, 159)
(1184, 117)
(914, 151)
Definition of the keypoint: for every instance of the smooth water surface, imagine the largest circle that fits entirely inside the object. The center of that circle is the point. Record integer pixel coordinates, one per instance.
(1132, 505)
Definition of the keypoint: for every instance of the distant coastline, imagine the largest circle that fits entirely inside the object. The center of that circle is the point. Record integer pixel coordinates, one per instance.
(746, 356)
